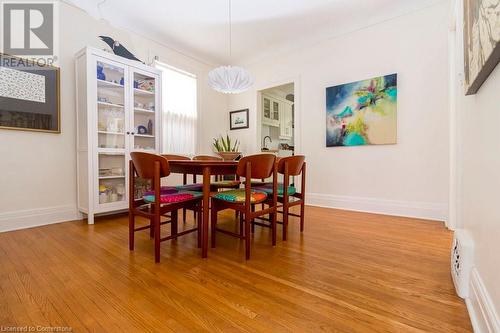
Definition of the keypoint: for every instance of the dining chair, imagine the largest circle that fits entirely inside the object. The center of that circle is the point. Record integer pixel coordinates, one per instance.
(245, 200)
(219, 182)
(287, 195)
(157, 202)
(198, 187)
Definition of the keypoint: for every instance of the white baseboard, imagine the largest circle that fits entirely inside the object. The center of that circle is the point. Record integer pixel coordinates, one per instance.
(424, 210)
(481, 309)
(36, 217)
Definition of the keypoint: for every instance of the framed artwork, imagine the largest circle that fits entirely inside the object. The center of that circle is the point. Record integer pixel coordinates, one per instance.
(362, 112)
(29, 95)
(238, 119)
(481, 41)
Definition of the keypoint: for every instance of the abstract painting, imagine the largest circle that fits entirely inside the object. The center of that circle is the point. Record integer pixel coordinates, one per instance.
(481, 41)
(362, 112)
(29, 95)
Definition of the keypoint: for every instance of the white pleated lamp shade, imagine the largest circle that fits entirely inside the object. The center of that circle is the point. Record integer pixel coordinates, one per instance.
(230, 79)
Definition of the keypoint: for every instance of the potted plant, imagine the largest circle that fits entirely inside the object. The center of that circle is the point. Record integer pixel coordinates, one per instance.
(227, 149)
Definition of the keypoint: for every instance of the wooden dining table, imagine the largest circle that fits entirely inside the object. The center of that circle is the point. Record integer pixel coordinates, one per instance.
(206, 169)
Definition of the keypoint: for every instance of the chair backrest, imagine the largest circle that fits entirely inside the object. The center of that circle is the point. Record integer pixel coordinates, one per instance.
(144, 164)
(261, 166)
(295, 164)
(175, 157)
(207, 158)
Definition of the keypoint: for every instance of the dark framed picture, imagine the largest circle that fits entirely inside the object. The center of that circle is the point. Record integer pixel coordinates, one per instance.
(29, 95)
(481, 43)
(238, 119)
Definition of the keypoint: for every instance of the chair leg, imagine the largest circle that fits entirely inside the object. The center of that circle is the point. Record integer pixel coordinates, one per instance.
(242, 233)
(247, 237)
(302, 206)
(151, 228)
(273, 216)
(173, 223)
(131, 232)
(285, 221)
(151, 224)
(198, 222)
(252, 222)
(156, 223)
(213, 221)
(184, 215)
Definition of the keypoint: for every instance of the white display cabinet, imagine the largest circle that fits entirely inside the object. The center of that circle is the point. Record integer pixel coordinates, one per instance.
(118, 111)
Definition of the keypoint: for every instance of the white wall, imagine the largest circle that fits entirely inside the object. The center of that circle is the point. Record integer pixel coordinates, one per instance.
(478, 186)
(410, 178)
(38, 170)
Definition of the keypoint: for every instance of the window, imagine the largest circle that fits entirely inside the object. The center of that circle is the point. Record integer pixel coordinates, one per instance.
(180, 114)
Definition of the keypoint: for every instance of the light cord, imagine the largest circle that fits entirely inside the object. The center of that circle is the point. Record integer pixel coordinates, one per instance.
(230, 32)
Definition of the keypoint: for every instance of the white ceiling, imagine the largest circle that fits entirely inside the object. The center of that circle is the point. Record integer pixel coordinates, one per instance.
(199, 28)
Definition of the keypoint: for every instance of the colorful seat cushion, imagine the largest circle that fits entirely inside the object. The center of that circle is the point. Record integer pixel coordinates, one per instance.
(226, 183)
(198, 187)
(172, 197)
(268, 188)
(238, 196)
(164, 190)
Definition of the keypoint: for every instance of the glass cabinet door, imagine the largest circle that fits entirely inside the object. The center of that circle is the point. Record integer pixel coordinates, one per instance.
(111, 136)
(143, 119)
(267, 108)
(112, 182)
(276, 110)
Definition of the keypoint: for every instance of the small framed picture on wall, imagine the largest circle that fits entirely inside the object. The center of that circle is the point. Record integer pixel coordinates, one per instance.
(238, 119)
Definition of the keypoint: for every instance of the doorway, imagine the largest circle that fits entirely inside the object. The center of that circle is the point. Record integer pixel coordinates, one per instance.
(277, 120)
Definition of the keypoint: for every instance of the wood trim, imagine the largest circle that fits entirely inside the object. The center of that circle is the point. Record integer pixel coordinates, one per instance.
(29, 218)
(423, 210)
(481, 309)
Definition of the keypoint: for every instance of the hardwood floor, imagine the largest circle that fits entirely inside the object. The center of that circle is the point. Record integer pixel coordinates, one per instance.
(348, 272)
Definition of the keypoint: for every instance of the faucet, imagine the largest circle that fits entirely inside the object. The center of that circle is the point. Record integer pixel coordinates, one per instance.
(264, 142)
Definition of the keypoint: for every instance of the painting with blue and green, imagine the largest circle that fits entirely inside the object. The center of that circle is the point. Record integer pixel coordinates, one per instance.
(362, 112)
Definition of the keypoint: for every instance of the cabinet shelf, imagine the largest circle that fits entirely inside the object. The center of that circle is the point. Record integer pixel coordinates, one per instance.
(112, 177)
(145, 136)
(143, 92)
(108, 84)
(111, 151)
(139, 110)
(110, 104)
(111, 133)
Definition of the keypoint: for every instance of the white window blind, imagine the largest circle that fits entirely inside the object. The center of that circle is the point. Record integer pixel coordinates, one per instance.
(180, 113)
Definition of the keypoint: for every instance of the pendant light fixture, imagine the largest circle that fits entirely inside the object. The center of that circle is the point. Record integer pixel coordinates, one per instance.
(230, 79)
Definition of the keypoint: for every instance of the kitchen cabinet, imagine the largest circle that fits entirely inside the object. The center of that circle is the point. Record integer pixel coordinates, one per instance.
(270, 111)
(286, 120)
